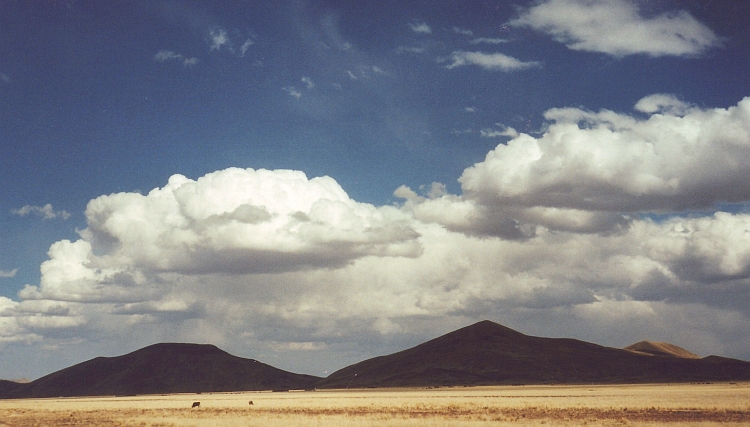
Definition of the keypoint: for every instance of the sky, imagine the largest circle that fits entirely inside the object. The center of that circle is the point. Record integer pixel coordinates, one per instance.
(313, 183)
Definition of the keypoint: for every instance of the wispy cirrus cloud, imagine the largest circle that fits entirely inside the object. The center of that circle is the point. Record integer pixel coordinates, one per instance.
(8, 273)
(292, 91)
(490, 61)
(245, 46)
(410, 49)
(169, 55)
(488, 40)
(229, 41)
(45, 212)
(616, 27)
(463, 31)
(420, 27)
(218, 38)
(308, 83)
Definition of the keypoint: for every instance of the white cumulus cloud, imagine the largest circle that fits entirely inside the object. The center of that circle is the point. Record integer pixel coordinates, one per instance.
(235, 221)
(591, 171)
(616, 27)
(615, 162)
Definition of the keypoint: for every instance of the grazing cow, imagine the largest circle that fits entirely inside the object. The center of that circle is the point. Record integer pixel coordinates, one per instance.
(196, 404)
(250, 402)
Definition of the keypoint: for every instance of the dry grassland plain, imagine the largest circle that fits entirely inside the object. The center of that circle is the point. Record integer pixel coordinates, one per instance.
(642, 405)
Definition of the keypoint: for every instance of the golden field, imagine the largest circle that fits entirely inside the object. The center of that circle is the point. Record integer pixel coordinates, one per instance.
(646, 405)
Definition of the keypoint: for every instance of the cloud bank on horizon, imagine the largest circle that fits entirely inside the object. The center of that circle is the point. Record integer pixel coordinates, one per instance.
(603, 224)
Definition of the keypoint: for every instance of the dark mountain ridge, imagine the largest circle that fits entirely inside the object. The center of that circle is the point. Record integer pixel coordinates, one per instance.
(485, 353)
(163, 368)
(7, 386)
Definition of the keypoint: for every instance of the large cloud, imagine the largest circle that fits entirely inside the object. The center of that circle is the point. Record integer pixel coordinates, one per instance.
(235, 221)
(616, 27)
(607, 161)
(590, 172)
(246, 221)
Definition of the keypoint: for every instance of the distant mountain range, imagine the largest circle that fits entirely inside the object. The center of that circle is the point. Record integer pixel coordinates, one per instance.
(485, 353)
(161, 368)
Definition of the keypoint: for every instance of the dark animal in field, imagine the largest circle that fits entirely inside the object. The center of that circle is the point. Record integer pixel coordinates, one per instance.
(250, 402)
(196, 404)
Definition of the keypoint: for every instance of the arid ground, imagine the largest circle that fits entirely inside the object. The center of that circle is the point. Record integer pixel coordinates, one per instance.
(662, 404)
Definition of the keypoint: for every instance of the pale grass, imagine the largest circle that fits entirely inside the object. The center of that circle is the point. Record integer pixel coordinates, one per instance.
(642, 405)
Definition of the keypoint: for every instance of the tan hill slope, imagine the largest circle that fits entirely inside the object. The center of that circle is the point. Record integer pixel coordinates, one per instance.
(660, 349)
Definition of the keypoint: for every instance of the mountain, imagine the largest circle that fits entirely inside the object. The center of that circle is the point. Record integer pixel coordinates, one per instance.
(7, 386)
(660, 349)
(481, 354)
(162, 368)
(488, 353)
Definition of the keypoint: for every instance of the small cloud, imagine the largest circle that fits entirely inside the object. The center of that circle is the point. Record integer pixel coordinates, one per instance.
(7, 274)
(663, 104)
(308, 82)
(351, 75)
(496, 133)
(463, 31)
(490, 61)
(4, 78)
(470, 109)
(296, 346)
(420, 27)
(486, 40)
(434, 190)
(169, 55)
(45, 212)
(245, 46)
(409, 49)
(291, 90)
(218, 38)
(378, 70)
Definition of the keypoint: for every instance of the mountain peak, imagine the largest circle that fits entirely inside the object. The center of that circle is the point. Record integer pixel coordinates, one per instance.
(485, 329)
(183, 348)
(161, 368)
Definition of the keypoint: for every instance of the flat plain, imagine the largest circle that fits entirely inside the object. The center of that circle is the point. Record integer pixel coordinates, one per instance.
(606, 405)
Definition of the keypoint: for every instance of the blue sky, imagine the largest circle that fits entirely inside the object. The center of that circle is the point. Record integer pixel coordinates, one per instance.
(564, 167)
